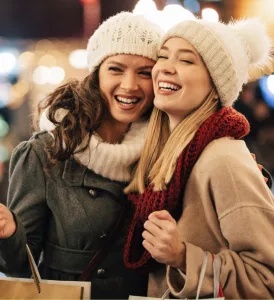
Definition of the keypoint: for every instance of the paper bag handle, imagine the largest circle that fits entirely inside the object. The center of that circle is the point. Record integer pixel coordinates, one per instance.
(34, 269)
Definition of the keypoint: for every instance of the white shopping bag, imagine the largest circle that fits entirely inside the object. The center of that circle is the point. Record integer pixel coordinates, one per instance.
(216, 282)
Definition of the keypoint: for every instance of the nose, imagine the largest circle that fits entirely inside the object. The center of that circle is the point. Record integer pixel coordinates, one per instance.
(167, 67)
(129, 82)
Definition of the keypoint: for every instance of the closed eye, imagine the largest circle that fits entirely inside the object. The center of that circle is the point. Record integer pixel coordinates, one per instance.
(161, 56)
(186, 61)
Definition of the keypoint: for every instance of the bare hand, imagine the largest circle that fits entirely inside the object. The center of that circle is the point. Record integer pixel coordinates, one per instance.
(162, 239)
(7, 223)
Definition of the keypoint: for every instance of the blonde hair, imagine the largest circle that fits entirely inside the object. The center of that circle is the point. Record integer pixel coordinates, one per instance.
(162, 149)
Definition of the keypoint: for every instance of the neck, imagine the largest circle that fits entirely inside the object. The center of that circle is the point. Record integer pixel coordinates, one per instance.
(112, 131)
(173, 122)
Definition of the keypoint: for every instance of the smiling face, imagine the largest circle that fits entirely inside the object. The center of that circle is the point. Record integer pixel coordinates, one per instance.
(181, 80)
(125, 81)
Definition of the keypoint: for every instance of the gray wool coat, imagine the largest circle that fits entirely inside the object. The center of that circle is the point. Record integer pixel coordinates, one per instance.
(64, 216)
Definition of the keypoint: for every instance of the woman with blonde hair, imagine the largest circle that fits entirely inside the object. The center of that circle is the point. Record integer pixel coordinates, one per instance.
(197, 192)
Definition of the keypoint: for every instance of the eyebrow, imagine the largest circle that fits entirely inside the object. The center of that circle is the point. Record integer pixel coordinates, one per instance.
(125, 66)
(183, 50)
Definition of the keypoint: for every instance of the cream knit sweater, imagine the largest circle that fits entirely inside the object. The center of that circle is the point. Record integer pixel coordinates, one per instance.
(108, 160)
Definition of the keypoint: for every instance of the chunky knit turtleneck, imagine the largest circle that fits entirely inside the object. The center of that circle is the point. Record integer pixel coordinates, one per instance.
(227, 122)
(112, 161)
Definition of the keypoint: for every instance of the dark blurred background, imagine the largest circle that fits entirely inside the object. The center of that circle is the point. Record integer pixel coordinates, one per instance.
(42, 44)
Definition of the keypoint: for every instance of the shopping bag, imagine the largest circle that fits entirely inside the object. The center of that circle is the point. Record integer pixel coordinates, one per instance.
(37, 288)
(217, 288)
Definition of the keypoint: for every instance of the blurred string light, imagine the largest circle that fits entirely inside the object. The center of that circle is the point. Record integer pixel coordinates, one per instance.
(57, 75)
(4, 154)
(4, 93)
(26, 59)
(20, 89)
(173, 14)
(17, 94)
(41, 75)
(147, 8)
(43, 44)
(210, 14)
(270, 83)
(47, 60)
(52, 75)
(7, 62)
(78, 59)
(266, 84)
(169, 16)
(4, 127)
(192, 5)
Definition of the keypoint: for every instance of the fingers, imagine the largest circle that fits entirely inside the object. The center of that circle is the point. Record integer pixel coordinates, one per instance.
(163, 225)
(163, 215)
(261, 169)
(150, 238)
(7, 223)
(149, 247)
(253, 156)
(3, 210)
(3, 223)
(152, 228)
(159, 233)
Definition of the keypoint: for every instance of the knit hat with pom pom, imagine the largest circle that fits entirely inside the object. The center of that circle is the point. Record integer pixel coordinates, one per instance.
(227, 50)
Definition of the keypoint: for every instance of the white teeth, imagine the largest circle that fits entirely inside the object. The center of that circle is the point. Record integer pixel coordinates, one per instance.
(127, 100)
(168, 86)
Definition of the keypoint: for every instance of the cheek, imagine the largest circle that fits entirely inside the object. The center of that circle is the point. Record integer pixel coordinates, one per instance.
(148, 90)
(154, 74)
(107, 85)
(102, 82)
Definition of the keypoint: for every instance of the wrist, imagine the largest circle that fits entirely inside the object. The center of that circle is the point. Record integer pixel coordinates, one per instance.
(181, 258)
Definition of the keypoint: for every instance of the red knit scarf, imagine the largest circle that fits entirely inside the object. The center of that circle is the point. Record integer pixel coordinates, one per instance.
(227, 122)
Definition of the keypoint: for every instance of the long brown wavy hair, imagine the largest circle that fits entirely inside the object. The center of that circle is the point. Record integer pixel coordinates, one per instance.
(86, 109)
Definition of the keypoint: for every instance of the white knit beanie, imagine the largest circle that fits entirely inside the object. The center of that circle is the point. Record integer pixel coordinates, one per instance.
(124, 33)
(227, 50)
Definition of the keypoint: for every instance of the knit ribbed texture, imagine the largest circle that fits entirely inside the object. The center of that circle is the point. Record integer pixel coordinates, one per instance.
(228, 51)
(225, 123)
(113, 161)
(124, 33)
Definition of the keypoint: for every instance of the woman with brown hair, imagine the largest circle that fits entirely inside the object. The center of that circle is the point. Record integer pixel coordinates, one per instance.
(66, 183)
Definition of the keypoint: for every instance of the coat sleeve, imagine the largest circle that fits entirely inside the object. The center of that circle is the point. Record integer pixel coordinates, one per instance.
(245, 210)
(27, 202)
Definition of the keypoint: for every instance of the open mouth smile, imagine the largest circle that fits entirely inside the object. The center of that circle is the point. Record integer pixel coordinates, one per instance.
(127, 101)
(166, 86)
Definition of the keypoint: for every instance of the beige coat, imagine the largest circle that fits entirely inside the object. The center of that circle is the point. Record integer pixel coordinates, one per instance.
(227, 210)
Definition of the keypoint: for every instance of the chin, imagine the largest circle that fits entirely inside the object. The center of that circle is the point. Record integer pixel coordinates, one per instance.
(126, 119)
(161, 106)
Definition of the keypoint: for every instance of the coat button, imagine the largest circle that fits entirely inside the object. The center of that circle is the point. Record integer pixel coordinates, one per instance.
(101, 273)
(92, 192)
(103, 235)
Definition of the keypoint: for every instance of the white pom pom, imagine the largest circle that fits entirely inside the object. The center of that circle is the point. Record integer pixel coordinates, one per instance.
(254, 33)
